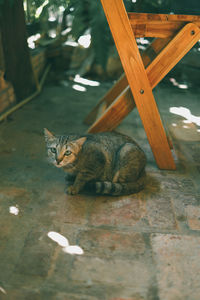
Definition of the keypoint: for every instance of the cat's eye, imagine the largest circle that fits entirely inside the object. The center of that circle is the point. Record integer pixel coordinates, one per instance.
(53, 150)
(68, 152)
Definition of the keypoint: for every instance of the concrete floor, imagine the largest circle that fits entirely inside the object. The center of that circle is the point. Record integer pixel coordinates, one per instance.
(143, 246)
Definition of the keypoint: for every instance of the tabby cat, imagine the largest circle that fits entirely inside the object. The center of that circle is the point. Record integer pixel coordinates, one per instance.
(107, 163)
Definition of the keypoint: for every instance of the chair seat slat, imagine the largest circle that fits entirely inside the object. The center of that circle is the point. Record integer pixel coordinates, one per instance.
(159, 25)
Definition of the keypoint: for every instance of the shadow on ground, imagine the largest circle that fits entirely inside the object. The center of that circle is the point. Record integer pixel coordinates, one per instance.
(142, 246)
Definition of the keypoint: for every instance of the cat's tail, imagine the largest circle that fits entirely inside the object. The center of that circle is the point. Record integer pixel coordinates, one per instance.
(117, 189)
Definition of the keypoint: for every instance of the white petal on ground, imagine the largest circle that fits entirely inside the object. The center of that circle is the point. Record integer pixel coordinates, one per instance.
(14, 210)
(2, 290)
(58, 238)
(73, 250)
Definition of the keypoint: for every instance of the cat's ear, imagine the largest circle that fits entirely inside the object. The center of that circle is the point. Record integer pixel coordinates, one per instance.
(80, 141)
(48, 135)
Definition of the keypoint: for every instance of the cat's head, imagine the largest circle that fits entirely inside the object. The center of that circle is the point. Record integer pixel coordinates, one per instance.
(62, 150)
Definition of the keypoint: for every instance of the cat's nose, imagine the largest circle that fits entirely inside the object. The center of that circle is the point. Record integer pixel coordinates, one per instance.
(58, 160)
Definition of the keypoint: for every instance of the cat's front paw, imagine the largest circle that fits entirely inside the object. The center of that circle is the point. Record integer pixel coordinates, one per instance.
(72, 190)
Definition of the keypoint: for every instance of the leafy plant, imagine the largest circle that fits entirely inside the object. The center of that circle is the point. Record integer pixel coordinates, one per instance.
(33, 6)
(152, 6)
(88, 16)
(9, 1)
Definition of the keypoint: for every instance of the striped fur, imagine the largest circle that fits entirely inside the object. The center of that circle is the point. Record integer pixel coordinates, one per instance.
(107, 163)
(116, 188)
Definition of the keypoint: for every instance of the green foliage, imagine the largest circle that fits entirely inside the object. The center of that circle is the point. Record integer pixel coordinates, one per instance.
(11, 2)
(80, 12)
(2, 2)
(151, 6)
(100, 33)
(88, 16)
(33, 5)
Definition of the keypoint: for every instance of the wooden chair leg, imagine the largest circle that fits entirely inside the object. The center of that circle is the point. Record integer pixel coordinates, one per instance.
(140, 86)
(182, 42)
(150, 53)
(115, 113)
(138, 82)
(176, 49)
(107, 99)
(147, 56)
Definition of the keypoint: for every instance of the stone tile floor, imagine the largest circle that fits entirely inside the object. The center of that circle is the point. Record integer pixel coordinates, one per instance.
(143, 246)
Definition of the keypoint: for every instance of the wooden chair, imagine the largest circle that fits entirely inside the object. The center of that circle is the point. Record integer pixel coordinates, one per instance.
(175, 36)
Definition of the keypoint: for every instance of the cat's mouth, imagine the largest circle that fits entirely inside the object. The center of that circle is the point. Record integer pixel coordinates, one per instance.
(58, 165)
